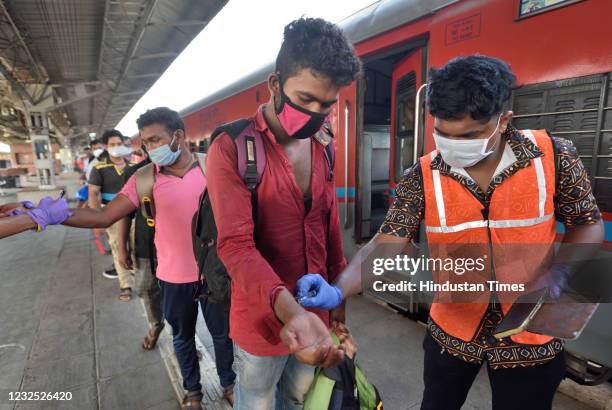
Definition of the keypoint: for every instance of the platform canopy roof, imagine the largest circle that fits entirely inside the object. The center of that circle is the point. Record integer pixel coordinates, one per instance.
(97, 57)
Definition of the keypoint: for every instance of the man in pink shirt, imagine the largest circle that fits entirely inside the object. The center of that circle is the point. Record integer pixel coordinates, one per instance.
(179, 182)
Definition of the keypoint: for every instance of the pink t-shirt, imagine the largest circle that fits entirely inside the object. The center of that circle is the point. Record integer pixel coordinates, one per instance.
(176, 201)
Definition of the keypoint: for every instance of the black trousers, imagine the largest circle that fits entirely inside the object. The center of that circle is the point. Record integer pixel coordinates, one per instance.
(448, 380)
(179, 303)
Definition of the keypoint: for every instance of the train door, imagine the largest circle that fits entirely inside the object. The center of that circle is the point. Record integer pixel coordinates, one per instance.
(386, 96)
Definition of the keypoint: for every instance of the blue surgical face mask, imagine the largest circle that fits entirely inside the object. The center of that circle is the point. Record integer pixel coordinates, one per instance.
(164, 156)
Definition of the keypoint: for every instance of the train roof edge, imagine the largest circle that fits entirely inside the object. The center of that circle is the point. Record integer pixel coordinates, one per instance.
(377, 18)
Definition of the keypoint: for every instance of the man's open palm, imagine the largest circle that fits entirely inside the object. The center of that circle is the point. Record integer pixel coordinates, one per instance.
(308, 339)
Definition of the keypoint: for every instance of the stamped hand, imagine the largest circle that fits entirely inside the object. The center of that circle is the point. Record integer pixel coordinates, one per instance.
(309, 340)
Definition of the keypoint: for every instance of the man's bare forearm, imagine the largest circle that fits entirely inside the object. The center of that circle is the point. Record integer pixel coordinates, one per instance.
(285, 306)
(94, 197)
(580, 243)
(88, 218)
(118, 208)
(381, 246)
(125, 225)
(12, 225)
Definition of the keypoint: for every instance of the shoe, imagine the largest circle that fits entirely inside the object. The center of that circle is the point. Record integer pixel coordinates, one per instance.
(192, 400)
(110, 273)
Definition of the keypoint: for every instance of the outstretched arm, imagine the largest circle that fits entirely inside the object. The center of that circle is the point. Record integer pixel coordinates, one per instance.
(15, 224)
(118, 208)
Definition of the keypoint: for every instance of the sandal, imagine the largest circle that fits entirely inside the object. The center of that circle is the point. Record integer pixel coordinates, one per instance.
(150, 340)
(228, 393)
(192, 400)
(125, 295)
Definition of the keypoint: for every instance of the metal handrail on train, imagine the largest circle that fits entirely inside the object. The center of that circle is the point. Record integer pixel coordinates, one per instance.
(346, 161)
(417, 122)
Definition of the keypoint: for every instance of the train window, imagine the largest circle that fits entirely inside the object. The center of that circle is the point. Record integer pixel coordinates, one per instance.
(530, 7)
(404, 135)
(579, 109)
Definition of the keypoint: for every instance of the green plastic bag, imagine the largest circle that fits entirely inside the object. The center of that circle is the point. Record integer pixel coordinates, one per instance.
(331, 388)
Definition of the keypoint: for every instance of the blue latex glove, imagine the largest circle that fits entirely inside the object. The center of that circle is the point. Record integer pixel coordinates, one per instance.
(556, 279)
(312, 291)
(50, 212)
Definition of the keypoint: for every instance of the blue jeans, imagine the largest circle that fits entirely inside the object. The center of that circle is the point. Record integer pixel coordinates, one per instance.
(179, 303)
(270, 382)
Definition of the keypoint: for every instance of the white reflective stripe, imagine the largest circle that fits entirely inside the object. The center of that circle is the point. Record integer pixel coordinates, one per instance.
(539, 175)
(508, 223)
(541, 185)
(439, 197)
(519, 223)
(530, 135)
(457, 228)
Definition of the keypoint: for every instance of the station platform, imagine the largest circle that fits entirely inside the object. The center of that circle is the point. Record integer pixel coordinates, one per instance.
(64, 330)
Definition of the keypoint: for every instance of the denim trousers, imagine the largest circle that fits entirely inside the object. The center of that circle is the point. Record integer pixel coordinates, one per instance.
(270, 382)
(179, 303)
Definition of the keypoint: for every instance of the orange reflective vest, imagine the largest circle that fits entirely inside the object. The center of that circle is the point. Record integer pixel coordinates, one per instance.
(520, 216)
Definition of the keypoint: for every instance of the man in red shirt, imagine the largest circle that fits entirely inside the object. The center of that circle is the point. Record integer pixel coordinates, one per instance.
(297, 224)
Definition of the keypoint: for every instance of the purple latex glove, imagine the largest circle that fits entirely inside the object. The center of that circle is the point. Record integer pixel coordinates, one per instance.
(50, 212)
(556, 279)
(312, 291)
(25, 204)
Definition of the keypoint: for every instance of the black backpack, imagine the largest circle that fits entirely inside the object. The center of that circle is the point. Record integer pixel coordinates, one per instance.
(251, 164)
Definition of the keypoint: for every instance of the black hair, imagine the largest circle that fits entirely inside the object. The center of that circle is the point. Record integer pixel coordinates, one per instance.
(319, 45)
(161, 115)
(94, 142)
(476, 86)
(108, 134)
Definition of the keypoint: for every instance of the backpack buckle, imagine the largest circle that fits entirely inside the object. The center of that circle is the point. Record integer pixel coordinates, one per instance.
(147, 205)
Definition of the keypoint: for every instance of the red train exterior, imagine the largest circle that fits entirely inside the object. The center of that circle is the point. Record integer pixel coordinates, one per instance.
(560, 50)
(558, 44)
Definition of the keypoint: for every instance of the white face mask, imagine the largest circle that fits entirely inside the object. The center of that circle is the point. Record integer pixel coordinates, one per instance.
(97, 152)
(116, 151)
(464, 153)
(125, 151)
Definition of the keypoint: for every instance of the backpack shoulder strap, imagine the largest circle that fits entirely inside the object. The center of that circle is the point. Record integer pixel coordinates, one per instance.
(233, 129)
(325, 137)
(145, 178)
(202, 161)
(249, 149)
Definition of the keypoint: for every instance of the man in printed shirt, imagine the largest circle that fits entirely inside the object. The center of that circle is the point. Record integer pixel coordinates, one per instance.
(480, 154)
(297, 216)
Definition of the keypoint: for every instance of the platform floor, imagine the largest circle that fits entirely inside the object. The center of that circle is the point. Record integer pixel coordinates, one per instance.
(62, 329)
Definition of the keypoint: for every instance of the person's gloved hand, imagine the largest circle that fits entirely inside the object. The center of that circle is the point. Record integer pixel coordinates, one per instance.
(312, 291)
(50, 212)
(17, 208)
(556, 279)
